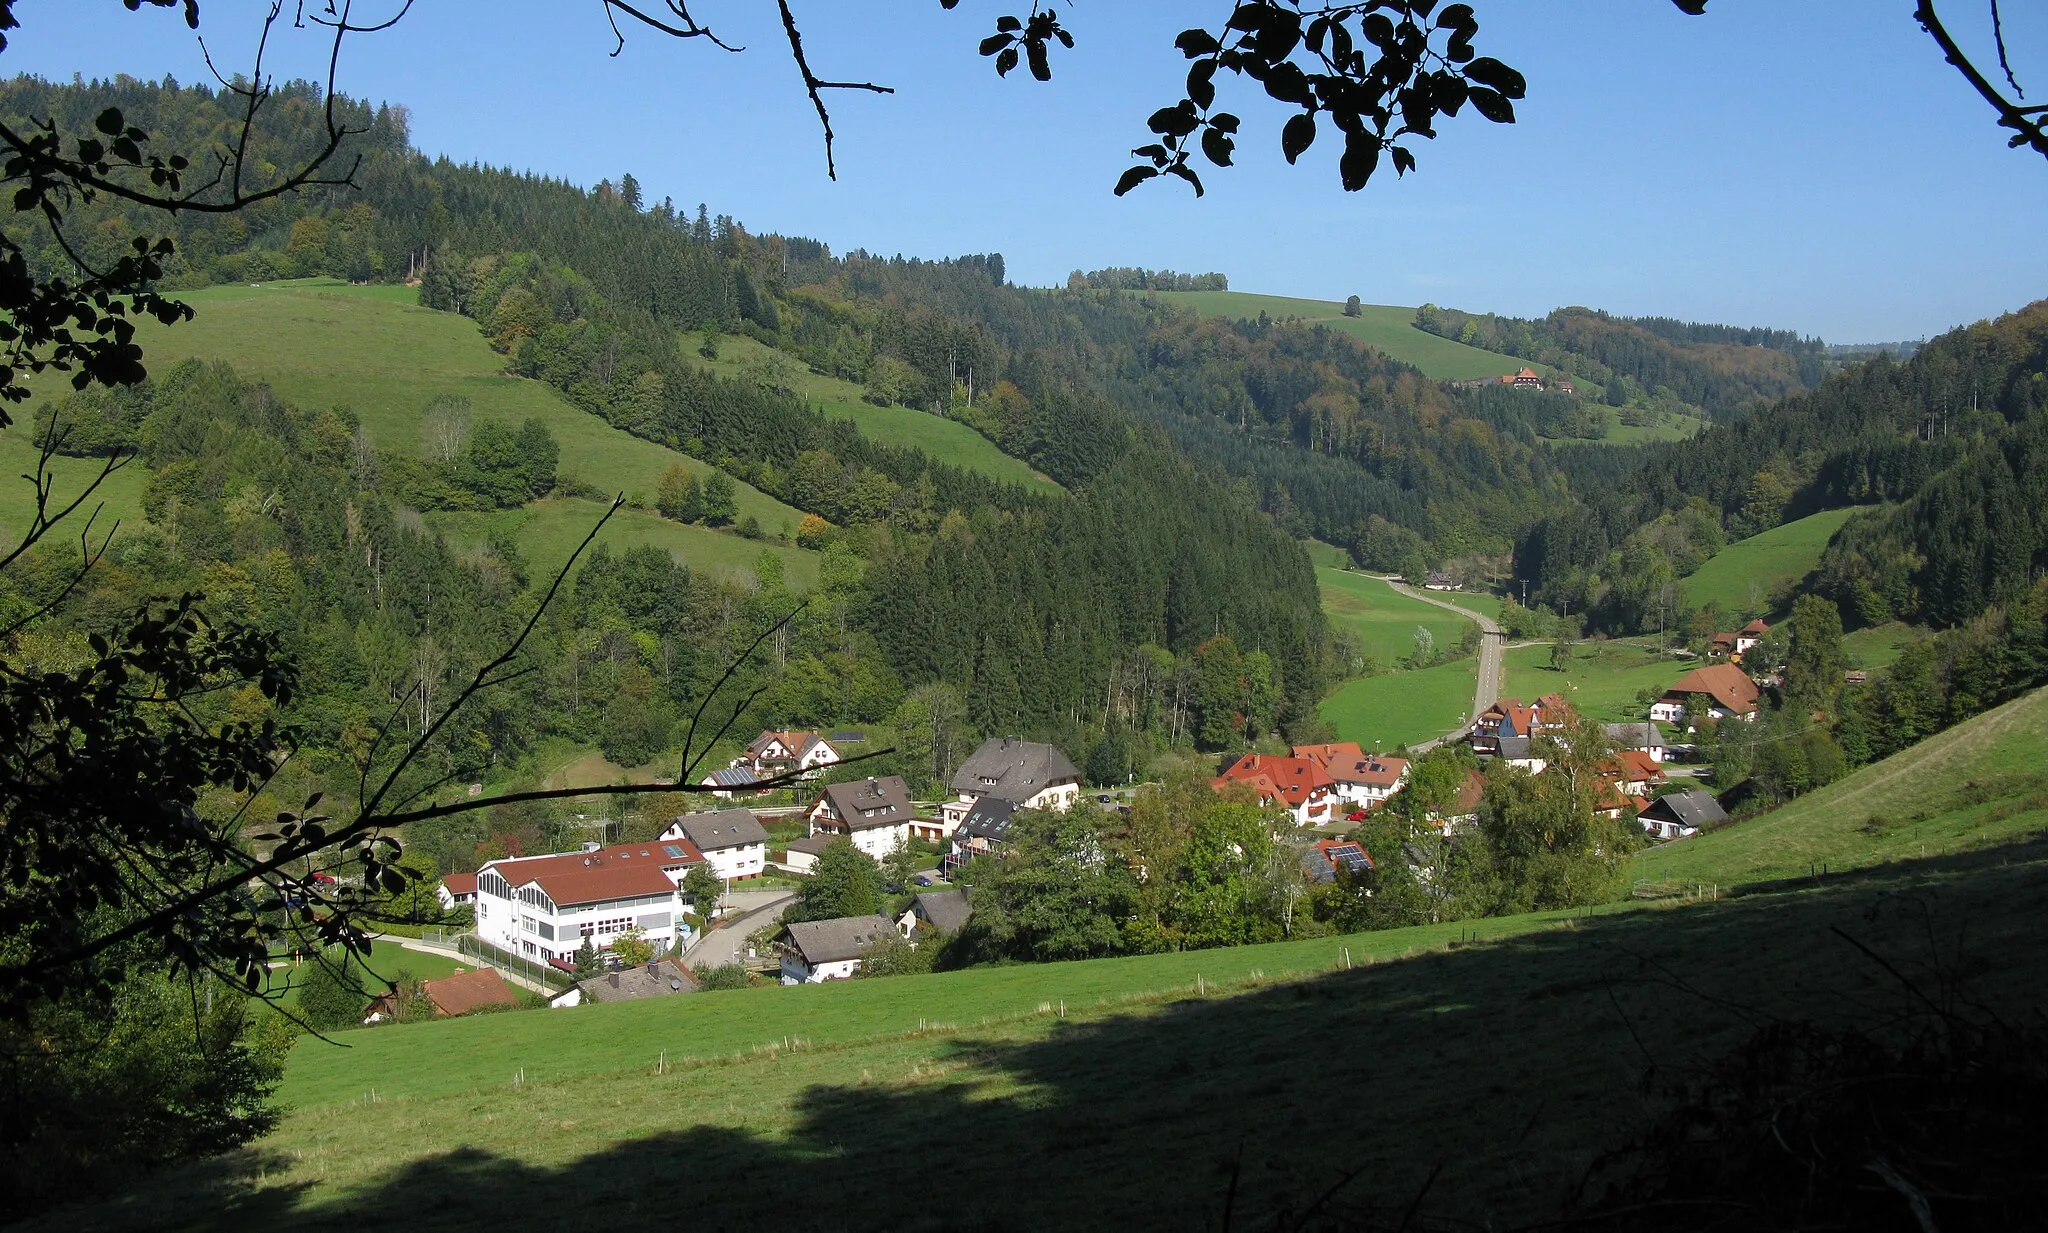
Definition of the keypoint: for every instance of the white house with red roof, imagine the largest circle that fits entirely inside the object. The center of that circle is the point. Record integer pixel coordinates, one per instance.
(1722, 690)
(1751, 634)
(778, 753)
(543, 907)
(457, 889)
(1299, 785)
(1362, 779)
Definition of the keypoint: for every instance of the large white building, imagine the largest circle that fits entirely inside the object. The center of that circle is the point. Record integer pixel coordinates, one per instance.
(733, 841)
(543, 907)
(1027, 774)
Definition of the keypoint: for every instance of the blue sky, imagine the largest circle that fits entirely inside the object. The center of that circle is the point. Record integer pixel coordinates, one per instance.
(1812, 165)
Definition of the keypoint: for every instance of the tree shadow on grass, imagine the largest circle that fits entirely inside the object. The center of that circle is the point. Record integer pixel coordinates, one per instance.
(1482, 1083)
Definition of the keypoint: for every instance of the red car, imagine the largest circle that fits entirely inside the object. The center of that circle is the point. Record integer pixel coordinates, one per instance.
(1356, 815)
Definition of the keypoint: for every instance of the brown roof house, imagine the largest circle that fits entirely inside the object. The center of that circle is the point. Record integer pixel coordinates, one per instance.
(1722, 691)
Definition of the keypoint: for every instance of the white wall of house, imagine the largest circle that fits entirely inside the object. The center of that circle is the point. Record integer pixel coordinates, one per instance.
(796, 972)
(747, 860)
(542, 932)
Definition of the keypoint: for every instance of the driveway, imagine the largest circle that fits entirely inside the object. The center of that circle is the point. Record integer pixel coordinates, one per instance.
(1491, 641)
(728, 943)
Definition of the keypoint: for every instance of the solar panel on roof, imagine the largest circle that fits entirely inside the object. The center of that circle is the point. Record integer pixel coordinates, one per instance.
(674, 853)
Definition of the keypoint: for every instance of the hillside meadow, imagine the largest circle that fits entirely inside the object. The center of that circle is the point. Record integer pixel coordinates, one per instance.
(321, 342)
(947, 441)
(1395, 709)
(1387, 328)
(1751, 576)
(1980, 784)
(1602, 681)
(1384, 620)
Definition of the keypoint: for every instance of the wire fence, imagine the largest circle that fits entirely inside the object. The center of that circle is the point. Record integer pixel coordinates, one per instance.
(543, 974)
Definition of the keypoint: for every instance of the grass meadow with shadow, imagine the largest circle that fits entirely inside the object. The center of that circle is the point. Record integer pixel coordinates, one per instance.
(1477, 1083)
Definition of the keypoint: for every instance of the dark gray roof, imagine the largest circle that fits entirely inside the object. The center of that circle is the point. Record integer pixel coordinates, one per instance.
(1636, 736)
(842, 937)
(989, 819)
(1013, 770)
(848, 738)
(814, 844)
(730, 777)
(947, 910)
(723, 828)
(1695, 809)
(630, 983)
(866, 803)
(1514, 747)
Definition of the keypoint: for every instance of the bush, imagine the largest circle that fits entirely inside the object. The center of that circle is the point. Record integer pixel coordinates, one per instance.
(725, 976)
(332, 991)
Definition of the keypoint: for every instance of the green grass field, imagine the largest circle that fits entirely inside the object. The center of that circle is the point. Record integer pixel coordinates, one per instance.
(388, 960)
(1981, 782)
(548, 531)
(1179, 1069)
(1383, 619)
(1387, 328)
(1679, 429)
(1472, 601)
(1748, 575)
(1326, 556)
(1877, 646)
(946, 440)
(324, 343)
(1602, 682)
(1402, 708)
(120, 496)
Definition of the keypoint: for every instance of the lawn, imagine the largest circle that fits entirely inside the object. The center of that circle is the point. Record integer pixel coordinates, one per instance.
(1402, 708)
(1471, 601)
(948, 441)
(121, 495)
(1981, 782)
(1267, 1072)
(1602, 682)
(548, 531)
(1749, 576)
(1326, 556)
(1877, 646)
(1386, 328)
(1680, 428)
(322, 343)
(388, 960)
(1383, 619)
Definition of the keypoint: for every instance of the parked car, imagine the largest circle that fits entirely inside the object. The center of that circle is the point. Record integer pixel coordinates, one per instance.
(1104, 799)
(923, 879)
(1356, 815)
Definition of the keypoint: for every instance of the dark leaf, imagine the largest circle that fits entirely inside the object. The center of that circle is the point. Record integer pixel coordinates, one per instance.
(1040, 67)
(1197, 42)
(1217, 145)
(996, 42)
(1454, 16)
(1492, 105)
(1007, 23)
(109, 122)
(1201, 83)
(1361, 159)
(1298, 135)
(1006, 61)
(1187, 173)
(1133, 177)
(1488, 71)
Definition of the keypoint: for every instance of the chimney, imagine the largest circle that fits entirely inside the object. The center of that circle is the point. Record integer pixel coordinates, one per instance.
(654, 967)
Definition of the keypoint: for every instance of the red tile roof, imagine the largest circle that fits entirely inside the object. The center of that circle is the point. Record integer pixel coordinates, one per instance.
(460, 883)
(1294, 780)
(1758, 626)
(467, 991)
(1728, 686)
(1345, 762)
(1633, 766)
(622, 871)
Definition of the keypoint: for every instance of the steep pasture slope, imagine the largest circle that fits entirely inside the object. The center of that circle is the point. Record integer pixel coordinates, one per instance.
(323, 343)
(1128, 1109)
(1982, 782)
(948, 441)
(1383, 619)
(1384, 327)
(1748, 574)
(1402, 708)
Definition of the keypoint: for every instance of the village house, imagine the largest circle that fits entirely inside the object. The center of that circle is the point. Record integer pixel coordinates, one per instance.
(461, 994)
(1509, 720)
(815, 951)
(1321, 860)
(1362, 779)
(1299, 785)
(1437, 580)
(983, 832)
(875, 813)
(802, 855)
(731, 781)
(456, 889)
(1750, 634)
(733, 841)
(1681, 814)
(1526, 379)
(1028, 774)
(545, 907)
(932, 912)
(662, 977)
(773, 754)
(1642, 737)
(1720, 691)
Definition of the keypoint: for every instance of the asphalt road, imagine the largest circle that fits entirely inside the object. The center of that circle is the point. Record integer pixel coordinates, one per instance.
(1491, 641)
(728, 943)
